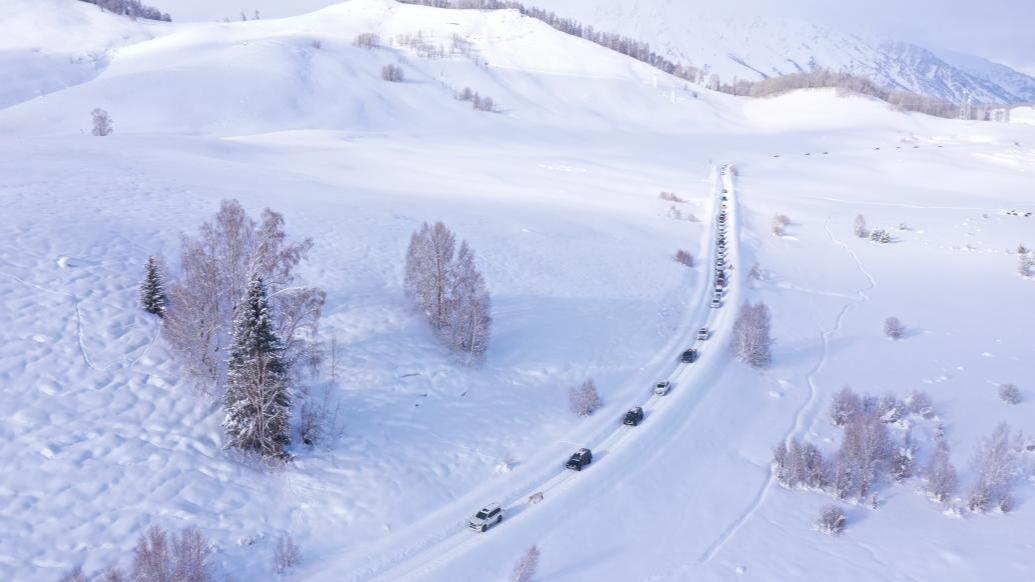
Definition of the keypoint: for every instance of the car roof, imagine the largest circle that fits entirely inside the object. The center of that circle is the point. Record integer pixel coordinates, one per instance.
(491, 507)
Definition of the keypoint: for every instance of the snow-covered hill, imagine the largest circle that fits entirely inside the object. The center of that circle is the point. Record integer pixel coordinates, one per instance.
(752, 47)
(102, 435)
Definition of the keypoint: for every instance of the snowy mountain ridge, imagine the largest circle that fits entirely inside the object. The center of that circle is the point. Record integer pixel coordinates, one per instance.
(753, 48)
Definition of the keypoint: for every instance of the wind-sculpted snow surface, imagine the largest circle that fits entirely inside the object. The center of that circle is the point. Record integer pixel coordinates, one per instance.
(102, 434)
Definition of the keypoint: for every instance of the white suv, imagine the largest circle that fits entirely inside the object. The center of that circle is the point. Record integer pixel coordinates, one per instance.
(489, 516)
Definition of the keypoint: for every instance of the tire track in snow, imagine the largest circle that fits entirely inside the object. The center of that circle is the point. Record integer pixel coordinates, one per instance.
(799, 416)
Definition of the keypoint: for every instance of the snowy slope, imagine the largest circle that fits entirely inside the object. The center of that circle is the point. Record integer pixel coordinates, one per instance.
(751, 47)
(101, 435)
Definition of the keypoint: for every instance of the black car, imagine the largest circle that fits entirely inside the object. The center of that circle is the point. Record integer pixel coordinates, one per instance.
(580, 459)
(688, 356)
(633, 417)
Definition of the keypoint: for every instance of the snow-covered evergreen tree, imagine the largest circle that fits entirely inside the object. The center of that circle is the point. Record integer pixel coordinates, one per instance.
(258, 395)
(152, 291)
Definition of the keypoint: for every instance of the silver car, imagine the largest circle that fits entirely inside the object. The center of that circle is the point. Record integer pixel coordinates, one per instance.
(489, 516)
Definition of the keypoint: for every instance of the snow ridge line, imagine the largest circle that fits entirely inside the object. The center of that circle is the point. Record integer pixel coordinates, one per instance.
(810, 403)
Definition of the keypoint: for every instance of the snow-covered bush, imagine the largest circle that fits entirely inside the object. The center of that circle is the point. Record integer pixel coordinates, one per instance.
(446, 286)
(584, 400)
(997, 465)
(891, 409)
(859, 227)
(940, 479)
(671, 197)
(845, 405)
(902, 459)
(102, 124)
(152, 291)
(525, 569)
(683, 257)
(752, 342)
(477, 101)
(286, 555)
(831, 520)
(392, 73)
(893, 328)
(780, 223)
(1010, 394)
(880, 236)
(367, 40)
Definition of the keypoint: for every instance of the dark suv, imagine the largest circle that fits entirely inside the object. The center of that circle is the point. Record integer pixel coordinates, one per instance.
(580, 459)
(633, 417)
(688, 356)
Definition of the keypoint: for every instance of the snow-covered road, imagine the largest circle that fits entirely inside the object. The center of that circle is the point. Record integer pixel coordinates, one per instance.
(416, 553)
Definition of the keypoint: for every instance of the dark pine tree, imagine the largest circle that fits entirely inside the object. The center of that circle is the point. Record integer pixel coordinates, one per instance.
(152, 290)
(258, 395)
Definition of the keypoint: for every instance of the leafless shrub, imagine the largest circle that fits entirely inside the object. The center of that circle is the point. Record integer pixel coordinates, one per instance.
(318, 417)
(997, 465)
(1010, 394)
(102, 124)
(584, 400)
(780, 223)
(893, 328)
(902, 466)
(286, 555)
(423, 44)
(216, 268)
(367, 40)
(831, 520)
(859, 227)
(156, 558)
(483, 103)
(525, 569)
(683, 257)
(940, 480)
(891, 409)
(845, 405)
(671, 197)
(752, 341)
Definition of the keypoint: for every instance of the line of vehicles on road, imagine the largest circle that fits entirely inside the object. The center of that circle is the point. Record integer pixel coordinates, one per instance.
(492, 514)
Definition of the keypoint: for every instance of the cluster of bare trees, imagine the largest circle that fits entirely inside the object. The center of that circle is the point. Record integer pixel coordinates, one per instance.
(752, 341)
(159, 557)
(683, 257)
(216, 269)
(133, 8)
(239, 321)
(584, 400)
(392, 73)
(671, 197)
(446, 286)
(367, 40)
(479, 102)
(869, 455)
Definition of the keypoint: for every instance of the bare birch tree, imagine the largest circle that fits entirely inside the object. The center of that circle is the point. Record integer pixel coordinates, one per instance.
(752, 343)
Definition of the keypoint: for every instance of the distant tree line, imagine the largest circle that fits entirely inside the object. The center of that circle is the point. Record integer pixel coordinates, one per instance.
(819, 78)
(133, 8)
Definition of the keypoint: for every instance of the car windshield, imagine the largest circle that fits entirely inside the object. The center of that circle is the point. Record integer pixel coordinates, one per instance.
(482, 514)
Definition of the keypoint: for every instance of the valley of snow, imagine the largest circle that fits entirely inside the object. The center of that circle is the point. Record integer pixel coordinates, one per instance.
(102, 435)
